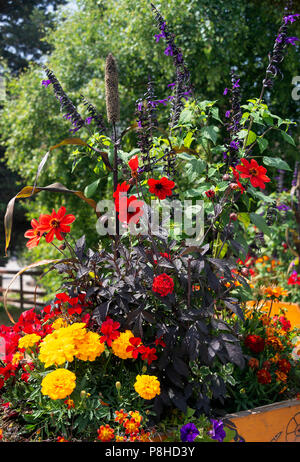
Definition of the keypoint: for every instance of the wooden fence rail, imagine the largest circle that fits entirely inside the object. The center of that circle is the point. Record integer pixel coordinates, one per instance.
(22, 301)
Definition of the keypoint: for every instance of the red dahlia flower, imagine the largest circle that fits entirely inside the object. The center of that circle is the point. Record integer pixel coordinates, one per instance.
(55, 224)
(135, 346)
(237, 179)
(120, 192)
(255, 172)
(134, 164)
(255, 343)
(148, 354)
(130, 209)
(34, 235)
(109, 329)
(163, 284)
(161, 188)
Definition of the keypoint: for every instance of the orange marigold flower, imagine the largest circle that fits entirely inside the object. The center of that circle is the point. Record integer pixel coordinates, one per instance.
(61, 439)
(274, 292)
(274, 342)
(284, 365)
(253, 363)
(105, 433)
(1, 433)
(70, 403)
(136, 416)
(131, 425)
(280, 376)
(120, 416)
(144, 437)
(121, 439)
(263, 376)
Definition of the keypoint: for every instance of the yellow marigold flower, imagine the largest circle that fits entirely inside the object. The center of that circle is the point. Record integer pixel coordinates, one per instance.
(59, 384)
(281, 376)
(90, 347)
(147, 386)
(275, 358)
(56, 349)
(120, 345)
(17, 357)
(120, 416)
(29, 340)
(58, 323)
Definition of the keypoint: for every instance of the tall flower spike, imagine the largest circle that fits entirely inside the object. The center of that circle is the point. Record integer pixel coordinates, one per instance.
(277, 55)
(111, 89)
(182, 87)
(94, 114)
(65, 103)
(233, 126)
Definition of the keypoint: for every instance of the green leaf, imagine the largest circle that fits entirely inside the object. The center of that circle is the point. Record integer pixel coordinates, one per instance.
(185, 117)
(91, 188)
(244, 218)
(210, 132)
(276, 162)
(258, 221)
(288, 138)
(262, 144)
(215, 114)
(251, 138)
(255, 193)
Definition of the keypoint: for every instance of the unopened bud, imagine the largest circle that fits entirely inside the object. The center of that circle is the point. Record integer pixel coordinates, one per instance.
(233, 216)
(234, 186)
(226, 177)
(118, 386)
(144, 369)
(62, 246)
(83, 394)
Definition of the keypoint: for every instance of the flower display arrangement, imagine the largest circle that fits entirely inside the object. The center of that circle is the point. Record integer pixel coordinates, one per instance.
(149, 334)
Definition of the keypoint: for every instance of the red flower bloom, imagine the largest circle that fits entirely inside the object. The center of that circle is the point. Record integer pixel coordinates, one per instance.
(120, 192)
(109, 329)
(134, 164)
(294, 279)
(135, 346)
(25, 376)
(210, 193)
(159, 341)
(284, 365)
(163, 284)
(34, 235)
(130, 209)
(237, 179)
(148, 354)
(55, 224)
(161, 188)
(255, 343)
(285, 323)
(255, 172)
(263, 376)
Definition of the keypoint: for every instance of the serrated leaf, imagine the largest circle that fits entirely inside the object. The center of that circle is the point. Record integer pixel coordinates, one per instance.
(262, 144)
(288, 138)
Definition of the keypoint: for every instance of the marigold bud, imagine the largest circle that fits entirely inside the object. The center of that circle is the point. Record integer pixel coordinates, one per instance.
(83, 394)
(118, 386)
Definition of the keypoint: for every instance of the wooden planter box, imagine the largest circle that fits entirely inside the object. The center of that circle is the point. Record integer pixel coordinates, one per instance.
(278, 422)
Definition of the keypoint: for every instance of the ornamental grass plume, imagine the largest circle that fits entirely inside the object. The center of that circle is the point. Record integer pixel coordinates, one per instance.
(111, 89)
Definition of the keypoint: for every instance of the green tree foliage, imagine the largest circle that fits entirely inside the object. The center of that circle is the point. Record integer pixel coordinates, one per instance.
(215, 36)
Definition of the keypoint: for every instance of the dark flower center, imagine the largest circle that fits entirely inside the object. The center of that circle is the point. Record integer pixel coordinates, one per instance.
(159, 186)
(253, 172)
(54, 223)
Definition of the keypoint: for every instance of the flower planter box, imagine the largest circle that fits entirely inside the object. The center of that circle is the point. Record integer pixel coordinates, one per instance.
(293, 310)
(278, 422)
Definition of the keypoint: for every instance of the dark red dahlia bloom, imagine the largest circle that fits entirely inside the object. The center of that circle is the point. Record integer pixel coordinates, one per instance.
(161, 188)
(163, 284)
(55, 224)
(109, 329)
(120, 192)
(255, 343)
(255, 172)
(159, 341)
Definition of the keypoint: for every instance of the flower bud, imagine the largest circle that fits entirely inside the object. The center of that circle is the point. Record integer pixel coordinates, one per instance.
(144, 369)
(83, 394)
(234, 186)
(226, 177)
(62, 246)
(118, 386)
(233, 216)
(244, 271)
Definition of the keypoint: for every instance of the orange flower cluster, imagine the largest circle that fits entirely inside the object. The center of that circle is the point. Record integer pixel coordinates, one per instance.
(130, 423)
(274, 292)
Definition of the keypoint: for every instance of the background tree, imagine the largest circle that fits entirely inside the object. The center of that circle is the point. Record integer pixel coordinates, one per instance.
(215, 36)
